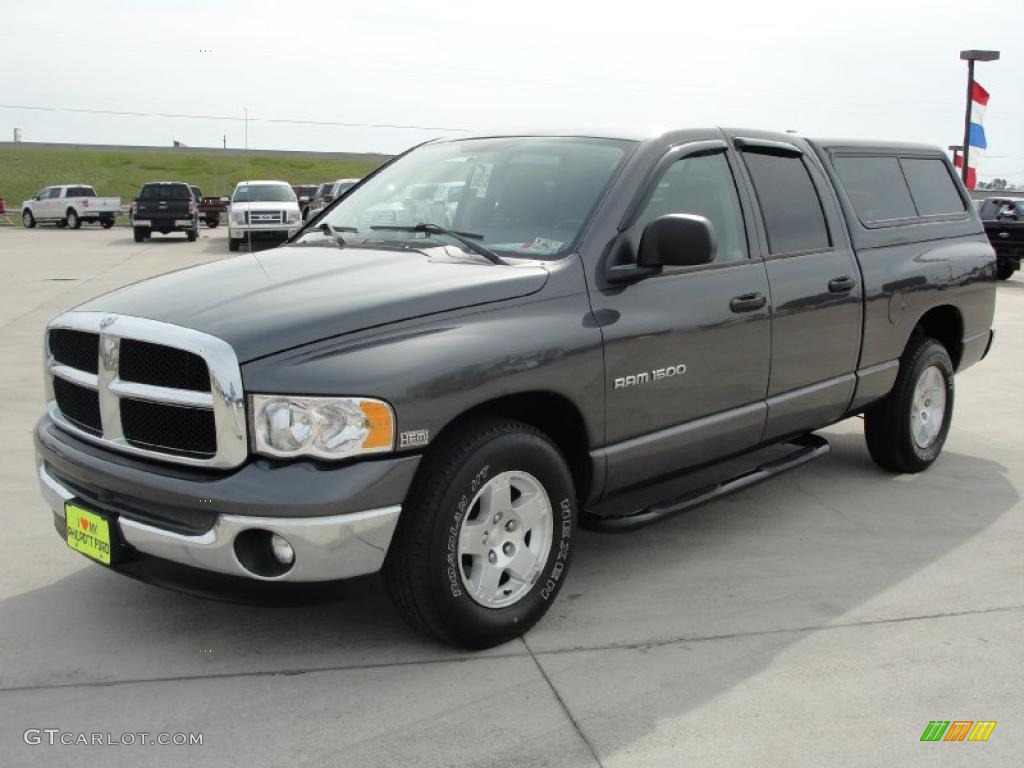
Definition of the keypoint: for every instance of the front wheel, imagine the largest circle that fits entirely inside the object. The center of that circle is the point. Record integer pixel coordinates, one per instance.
(906, 431)
(485, 540)
(1005, 269)
(28, 219)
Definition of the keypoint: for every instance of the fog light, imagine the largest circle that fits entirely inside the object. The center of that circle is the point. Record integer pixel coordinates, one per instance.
(282, 550)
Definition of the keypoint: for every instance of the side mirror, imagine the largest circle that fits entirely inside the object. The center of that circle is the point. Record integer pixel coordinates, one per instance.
(677, 240)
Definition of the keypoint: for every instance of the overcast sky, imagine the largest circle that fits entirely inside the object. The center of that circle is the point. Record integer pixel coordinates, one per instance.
(862, 69)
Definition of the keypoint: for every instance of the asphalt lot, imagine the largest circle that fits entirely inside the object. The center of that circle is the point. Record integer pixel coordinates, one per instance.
(821, 619)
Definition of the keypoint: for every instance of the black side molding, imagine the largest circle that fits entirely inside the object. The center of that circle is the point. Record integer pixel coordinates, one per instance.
(805, 448)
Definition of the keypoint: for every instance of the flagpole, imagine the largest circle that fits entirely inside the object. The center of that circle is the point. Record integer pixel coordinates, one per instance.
(970, 57)
(967, 120)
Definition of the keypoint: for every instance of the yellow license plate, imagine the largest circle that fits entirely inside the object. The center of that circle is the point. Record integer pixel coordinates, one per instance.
(87, 533)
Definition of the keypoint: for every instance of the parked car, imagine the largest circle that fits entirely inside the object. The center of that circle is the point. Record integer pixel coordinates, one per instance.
(605, 317)
(69, 205)
(210, 208)
(304, 194)
(327, 193)
(165, 207)
(1004, 224)
(261, 211)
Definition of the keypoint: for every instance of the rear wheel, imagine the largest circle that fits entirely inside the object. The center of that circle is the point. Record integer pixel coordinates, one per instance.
(106, 223)
(192, 235)
(28, 219)
(906, 431)
(141, 233)
(485, 539)
(72, 219)
(212, 221)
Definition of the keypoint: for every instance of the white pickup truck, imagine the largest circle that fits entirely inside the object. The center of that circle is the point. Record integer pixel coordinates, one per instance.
(69, 205)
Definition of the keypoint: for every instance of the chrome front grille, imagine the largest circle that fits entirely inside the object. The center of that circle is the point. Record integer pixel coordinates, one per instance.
(146, 388)
(264, 217)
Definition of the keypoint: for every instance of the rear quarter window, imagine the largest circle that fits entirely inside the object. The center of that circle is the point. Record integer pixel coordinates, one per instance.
(876, 187)
(932, 187)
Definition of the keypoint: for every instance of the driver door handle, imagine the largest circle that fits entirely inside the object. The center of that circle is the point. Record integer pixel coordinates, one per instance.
(748, 302)
(843, 284)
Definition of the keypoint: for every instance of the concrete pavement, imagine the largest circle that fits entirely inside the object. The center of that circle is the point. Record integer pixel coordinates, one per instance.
(822, 618)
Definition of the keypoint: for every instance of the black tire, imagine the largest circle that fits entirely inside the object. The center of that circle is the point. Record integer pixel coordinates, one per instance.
(1005, 269)
(887, 425)
(212, 222)
(192, 235)
(421, 573)
(106, 223)
(27, 219)
(74, 221)
(233, 243)
(141, 233)
(61, 223)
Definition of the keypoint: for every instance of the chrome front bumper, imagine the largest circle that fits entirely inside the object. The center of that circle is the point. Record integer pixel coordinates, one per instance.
(326, 548)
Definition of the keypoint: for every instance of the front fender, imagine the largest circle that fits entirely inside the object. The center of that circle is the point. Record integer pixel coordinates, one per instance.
(432, 372)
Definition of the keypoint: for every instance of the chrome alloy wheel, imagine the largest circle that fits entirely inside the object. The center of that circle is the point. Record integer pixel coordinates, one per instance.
(505, 539)
(929, 406)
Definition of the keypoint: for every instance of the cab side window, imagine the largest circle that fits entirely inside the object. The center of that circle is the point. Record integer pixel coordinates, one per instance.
(789, 203)
(702, 185)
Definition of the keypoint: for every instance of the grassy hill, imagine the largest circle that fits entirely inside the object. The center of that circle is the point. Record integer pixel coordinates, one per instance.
(25, 169)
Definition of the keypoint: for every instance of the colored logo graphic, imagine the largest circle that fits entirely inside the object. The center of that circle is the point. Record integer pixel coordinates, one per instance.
(958, 730)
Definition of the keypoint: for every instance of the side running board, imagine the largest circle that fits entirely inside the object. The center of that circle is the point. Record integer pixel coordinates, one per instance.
(805, 449)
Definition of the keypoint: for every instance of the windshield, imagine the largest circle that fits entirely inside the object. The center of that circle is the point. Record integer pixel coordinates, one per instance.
(519, 196)
(263, 193)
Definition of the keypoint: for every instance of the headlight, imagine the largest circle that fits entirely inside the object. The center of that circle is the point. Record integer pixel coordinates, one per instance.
(238, 217)
(293, 216)
(321, 427)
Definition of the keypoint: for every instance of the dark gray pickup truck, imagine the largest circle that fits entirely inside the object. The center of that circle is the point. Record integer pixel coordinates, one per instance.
(445, 391)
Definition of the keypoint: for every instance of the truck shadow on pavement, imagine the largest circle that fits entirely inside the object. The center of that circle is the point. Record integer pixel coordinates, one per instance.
(769, 565)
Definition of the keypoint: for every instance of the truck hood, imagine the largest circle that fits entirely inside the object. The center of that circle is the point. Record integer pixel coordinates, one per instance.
(265, 206)
(271, 301)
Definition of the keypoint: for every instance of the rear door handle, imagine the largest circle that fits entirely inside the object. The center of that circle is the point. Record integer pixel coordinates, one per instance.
(843, 284)
(748, 302)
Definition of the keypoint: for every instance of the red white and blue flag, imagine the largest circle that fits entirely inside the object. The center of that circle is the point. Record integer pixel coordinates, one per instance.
(976, 135)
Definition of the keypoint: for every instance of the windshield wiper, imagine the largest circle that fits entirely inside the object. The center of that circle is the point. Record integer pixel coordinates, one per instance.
(335, 232)
(435, 229)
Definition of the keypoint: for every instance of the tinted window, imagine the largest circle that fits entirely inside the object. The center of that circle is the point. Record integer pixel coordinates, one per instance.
(165, 192)
(703, 186)
(932, 186)
(876, 187)
(790, 205)
(54, 193)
